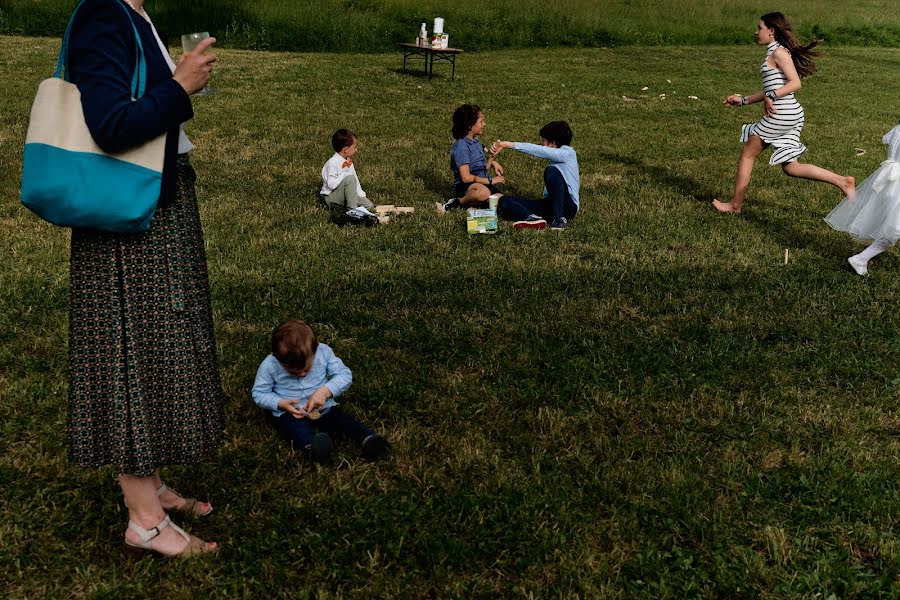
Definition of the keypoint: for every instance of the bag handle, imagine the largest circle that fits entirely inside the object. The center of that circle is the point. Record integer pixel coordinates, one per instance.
(138, 79)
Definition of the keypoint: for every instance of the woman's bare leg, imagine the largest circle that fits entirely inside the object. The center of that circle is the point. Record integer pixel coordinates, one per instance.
(847, 185)
(749, 152)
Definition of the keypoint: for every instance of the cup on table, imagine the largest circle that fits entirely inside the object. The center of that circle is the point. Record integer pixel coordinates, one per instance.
(189, 42)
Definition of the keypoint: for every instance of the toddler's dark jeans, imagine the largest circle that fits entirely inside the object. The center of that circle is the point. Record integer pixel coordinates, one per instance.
(300, 432)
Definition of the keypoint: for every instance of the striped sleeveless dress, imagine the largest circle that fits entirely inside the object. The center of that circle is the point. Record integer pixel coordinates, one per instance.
(781, 130)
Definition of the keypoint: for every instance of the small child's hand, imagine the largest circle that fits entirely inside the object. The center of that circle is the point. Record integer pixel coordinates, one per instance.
(291, 406)
(496, 147)
(317, 400)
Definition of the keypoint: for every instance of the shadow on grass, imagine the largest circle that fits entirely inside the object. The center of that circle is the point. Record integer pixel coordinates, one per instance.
(685, 186)
(441, 73)
(434, 183)
(412, 70)
(791, 232)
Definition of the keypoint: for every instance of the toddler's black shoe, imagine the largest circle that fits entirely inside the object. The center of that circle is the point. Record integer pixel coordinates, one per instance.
(374, 447)
(559, 224)
(320, 448)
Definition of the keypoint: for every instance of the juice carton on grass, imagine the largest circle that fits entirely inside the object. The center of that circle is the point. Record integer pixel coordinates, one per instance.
(481, 220)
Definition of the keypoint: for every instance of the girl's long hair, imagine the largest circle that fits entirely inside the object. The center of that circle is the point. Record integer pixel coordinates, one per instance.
(784, 35)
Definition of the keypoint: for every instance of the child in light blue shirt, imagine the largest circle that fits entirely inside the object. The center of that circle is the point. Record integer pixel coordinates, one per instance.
(298, 383)
(562, 181)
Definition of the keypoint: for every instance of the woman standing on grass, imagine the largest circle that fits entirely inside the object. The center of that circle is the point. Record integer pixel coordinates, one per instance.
(786, 63)
(144, 385)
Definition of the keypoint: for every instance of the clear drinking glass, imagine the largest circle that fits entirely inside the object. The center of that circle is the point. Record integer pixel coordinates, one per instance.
(189, 41)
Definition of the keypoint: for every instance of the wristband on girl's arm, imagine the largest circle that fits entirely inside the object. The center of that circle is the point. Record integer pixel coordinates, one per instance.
(771, 95)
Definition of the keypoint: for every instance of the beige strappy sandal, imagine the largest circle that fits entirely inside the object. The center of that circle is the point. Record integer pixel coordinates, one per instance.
(194, 546)
(190, 507)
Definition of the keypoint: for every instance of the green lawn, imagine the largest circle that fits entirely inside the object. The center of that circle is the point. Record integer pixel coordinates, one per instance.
(650, 404)
(376, 25)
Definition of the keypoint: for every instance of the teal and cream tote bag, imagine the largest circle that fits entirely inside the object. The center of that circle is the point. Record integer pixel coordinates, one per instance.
(67, 179)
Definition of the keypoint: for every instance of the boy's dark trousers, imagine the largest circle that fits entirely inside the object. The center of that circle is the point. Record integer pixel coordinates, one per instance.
(300, 432)
(558, 202)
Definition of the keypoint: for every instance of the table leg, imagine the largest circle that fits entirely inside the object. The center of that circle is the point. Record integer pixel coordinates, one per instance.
(453, 72)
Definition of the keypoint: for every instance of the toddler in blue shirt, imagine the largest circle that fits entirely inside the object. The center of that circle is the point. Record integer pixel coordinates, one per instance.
(298, 382)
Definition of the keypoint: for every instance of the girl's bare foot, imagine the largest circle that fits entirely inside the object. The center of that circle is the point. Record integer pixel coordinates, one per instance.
(725, 207)
(849, 187)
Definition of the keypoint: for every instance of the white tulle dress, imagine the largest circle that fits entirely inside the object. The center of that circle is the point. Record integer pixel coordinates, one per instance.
(874, 213)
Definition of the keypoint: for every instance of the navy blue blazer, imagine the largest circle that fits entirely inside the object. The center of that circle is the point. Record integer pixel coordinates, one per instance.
(101, 63)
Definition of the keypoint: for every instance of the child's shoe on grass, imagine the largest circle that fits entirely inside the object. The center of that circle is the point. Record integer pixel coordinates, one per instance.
(860, 266)
(532, 222)
(452, 204)
(320, 448)
(374, 447)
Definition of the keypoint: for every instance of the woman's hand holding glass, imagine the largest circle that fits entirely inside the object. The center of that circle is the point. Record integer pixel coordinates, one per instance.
(194, 67)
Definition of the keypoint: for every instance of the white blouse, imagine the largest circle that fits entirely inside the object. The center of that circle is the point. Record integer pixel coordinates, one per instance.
(184, 143)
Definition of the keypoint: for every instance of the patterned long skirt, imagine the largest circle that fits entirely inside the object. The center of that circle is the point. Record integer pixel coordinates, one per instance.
(144, 386)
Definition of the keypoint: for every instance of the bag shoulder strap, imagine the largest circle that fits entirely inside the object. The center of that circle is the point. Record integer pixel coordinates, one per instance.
(138, 78)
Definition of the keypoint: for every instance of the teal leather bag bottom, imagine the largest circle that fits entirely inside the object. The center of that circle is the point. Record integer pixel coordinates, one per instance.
(81, 178)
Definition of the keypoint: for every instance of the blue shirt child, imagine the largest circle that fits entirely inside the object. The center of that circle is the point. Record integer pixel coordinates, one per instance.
(562, 158)
(274, 383)
(467, 151)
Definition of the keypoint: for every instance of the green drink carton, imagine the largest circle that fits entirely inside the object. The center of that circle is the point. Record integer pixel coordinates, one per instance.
(481, 220)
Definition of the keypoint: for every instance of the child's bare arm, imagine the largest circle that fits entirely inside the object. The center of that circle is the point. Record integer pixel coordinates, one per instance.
(499, 145)
(465, 175)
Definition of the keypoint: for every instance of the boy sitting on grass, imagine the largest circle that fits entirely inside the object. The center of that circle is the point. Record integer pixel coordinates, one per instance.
(340, 185)
(298, 383)
(561, 181)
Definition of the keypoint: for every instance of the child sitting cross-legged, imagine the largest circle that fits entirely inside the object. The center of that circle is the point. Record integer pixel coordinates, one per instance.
(298, 382)
(561, 181)
(472, 179)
